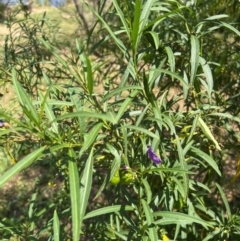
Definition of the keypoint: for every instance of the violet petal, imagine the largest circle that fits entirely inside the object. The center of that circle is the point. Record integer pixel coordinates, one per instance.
(125, 167)
(2, 123)
(153, 156)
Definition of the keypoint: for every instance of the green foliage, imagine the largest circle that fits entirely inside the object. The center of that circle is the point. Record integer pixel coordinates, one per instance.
(165, 91)
(23, 50)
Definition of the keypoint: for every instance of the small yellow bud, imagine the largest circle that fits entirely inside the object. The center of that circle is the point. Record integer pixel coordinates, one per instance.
(127, 177)
(165, 237)
(115, 179)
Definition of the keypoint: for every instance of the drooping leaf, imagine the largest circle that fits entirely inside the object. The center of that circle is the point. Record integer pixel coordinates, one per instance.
(22, 164)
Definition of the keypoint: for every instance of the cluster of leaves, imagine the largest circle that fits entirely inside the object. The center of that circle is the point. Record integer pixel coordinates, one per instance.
(23, 50)
(166, 97)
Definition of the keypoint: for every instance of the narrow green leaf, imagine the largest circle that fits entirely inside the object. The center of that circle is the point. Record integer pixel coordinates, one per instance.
(172, 74)
(225, 201)
(31, 208)
(172, 169)
(54, 148)
(170, 221)
(206, 158)
(176, 217)
(177, 231)
(187, 147)
(105, 117)
(179, 185)
(86, 184)
(147, 190)
(74, 194)
(81, 120)
(155, 37)
(214, 17)
(104, 184)
(199, 184)
(114, 168)
(141, 116)
(56, 227)
(119, 90)
(59, 58)
(89, 76)
(207, 132)
(133, 113)
(118, 233)
(47, 80)
(213, 234)
(140, 129)
(90, 137)
(122, 17)
(145, 14)
(160, 18)
(87, 69)
(131, 68)
(184, 167)
(185, 87)
(124, 79)
(114, 152)
(54, 102)
(230, 27)
(154, 78)
(161, 105)
(106, 92)
(117, 41)
(49, 113)
(54, 52)
(42, 102)
(126, 143)
(126, 105)
(22, 164)
(106, 210)
(148, 91)
(24, 100)
(194, 126)
(135, 26)
(226, 115)
(171, 59)
(151, 229)
(194, 57)
(208, 75)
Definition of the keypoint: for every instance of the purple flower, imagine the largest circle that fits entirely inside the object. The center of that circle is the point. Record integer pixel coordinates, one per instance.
(125, 167)
(2, 123)
(153, 156)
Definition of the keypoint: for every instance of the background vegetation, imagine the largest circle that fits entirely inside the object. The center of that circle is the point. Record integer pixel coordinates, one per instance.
(84, 110)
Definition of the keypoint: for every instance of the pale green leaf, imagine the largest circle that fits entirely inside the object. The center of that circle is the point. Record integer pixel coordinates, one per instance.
(56, 227)
(86, 185)
(20, 165)
(74, 194)
(109, 209)
(207, 132)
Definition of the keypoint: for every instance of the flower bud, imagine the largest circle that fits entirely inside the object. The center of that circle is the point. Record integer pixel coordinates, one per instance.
(127, 177)
(115, 179)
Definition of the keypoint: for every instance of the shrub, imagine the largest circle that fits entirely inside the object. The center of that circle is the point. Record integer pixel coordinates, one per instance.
(141, 159)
